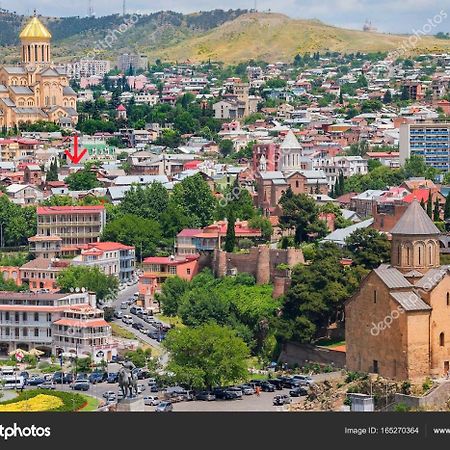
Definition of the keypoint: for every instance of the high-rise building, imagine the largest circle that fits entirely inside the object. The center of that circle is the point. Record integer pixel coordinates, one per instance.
(431, 141)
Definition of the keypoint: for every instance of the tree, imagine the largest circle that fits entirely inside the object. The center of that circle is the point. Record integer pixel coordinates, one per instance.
(90, 278)
(368, 248)
(447, 207)
(83, 180)
(207, 356)
(52, 173)
(300, 214)
(172, 292)
(387, 98)
(263, 224)
(226, 147)
(230, 238)
(196, 200)
(144, 234)
(430, 205)
(436, 211)
(17, 223)
(149, 202)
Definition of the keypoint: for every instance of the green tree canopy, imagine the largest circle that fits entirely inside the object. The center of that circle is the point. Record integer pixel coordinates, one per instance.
(207, 356)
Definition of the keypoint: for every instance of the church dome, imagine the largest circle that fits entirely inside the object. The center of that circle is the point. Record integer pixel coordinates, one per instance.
(35, 29)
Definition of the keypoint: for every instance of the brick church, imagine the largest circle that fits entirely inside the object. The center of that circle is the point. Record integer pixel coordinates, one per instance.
(398, 323)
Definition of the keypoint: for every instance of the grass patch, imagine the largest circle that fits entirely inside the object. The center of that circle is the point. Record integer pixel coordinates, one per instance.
(174, 321)
(118, 331)
(330, 343)
(70, 402)
(91, 404)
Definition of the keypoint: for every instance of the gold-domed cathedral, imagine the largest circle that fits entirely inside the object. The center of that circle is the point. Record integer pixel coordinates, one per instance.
(35, 90)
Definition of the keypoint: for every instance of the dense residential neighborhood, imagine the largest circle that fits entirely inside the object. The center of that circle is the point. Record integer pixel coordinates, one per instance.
(277, 232)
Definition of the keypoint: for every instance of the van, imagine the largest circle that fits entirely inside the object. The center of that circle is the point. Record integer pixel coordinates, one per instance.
(124, 305)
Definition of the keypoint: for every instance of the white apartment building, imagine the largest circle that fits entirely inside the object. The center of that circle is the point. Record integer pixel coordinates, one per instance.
(146, 99)
(85, 68)
(36, 320)
(348, 165)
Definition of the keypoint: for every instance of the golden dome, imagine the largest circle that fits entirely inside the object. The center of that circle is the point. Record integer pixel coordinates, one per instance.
(35, 29)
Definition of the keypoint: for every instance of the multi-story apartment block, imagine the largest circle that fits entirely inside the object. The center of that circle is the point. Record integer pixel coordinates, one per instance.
(63, 229)
(136, 62)
(88, 68)
(431, 141)
(348, 165)
(112, 258)
(42, 273)
(84, 331)
(33, 320)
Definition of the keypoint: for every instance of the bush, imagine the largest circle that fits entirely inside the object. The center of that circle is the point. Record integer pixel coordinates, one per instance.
(71, 402)
(354, 376)
(401, 407)
(427, 384)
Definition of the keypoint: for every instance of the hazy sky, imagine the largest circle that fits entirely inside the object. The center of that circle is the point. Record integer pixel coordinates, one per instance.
(388, 15)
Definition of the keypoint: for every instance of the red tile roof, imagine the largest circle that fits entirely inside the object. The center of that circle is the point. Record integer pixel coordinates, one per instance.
(419, 195)
(189, 232)
(68, 209)
(89, 323)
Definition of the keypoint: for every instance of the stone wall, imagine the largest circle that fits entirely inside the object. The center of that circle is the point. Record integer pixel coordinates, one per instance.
(437, 398)
(295, 353)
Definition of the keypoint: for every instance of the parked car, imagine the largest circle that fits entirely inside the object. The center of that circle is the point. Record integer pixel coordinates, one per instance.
(267, 387)
(227, 394)
(205, 396)
(281, 399)
(108, 393)
(82, 377)
(25, 375)
(277, 382)
(289, 382)
(68, 378)
(124, 305)
(298, 392)
(164, 407)
(303, 380)
(118, 314)
(35, 381)
(141, 388)
(58, 378)
(128, 320)
(47, 385)
(98, 377)
(151, 401)
(247, 389)
(80, 386)
(113, 377)
(154, 388)
(111, 398)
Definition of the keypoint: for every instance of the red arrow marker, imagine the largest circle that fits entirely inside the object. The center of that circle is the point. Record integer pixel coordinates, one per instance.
(76, 157)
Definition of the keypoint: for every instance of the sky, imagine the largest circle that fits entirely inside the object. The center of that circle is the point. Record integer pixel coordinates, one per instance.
(392, 16)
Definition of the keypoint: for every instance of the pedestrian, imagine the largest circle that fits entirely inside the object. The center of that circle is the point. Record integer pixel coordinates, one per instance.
(258, 389)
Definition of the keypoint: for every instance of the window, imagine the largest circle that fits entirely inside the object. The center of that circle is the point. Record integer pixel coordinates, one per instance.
(188, 271)
(375, 366)
(25, 332)
(375, 296)
(420, 255)
(173, 270)
(36, 332)
(448, 298)
(24, 316)
(36, 317)
(441, 339)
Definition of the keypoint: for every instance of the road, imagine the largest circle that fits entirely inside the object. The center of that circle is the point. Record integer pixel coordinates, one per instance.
(249, 403)
(123, 296)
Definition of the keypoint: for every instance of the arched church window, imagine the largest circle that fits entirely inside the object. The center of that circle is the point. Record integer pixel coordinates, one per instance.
(441, 339)
(448, 298)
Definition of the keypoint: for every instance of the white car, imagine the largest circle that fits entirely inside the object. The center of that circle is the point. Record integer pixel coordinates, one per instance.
(128, 320)
(151, 401)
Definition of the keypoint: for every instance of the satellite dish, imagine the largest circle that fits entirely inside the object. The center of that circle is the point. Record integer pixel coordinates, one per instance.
(77, 289)
(83, 289)
(71, 290)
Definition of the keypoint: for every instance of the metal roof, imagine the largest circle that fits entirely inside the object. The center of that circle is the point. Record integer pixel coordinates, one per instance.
(432, 278)
(415, 221)
(392, 277)
(410, 301)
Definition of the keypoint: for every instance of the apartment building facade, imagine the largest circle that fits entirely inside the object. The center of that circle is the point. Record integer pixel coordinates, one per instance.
(431, 141)
(26, 319)
(64, 229)
(113, 258)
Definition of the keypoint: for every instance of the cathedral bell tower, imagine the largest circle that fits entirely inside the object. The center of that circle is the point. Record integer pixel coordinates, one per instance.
(35, 39)
(415, 241)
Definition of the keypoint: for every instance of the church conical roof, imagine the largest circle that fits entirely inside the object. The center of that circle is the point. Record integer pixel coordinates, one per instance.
(290, 141)
(415, 221)
(35, 29)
